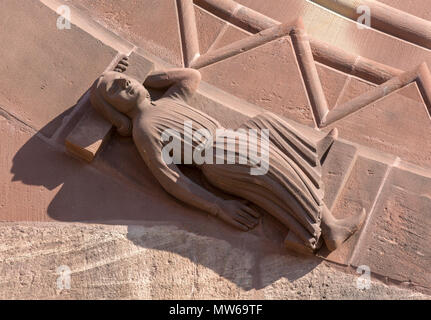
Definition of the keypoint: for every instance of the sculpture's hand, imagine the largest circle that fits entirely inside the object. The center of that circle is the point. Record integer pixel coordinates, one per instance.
(238, 214)
(122, 65)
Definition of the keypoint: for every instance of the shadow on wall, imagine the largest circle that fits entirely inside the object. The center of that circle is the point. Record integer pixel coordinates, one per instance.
(117, 188)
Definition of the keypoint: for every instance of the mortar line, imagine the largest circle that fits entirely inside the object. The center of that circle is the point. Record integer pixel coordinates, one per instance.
(219, 36)
(344, 181)
(180, 37)
(348, 80)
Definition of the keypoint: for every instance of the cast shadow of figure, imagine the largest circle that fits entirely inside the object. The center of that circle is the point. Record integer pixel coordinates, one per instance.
(89, 195)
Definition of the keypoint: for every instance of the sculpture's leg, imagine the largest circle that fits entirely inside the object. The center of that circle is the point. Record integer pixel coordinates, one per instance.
(336, 231)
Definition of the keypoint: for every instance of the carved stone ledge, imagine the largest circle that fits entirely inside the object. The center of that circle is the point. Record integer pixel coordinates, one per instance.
(89, 136)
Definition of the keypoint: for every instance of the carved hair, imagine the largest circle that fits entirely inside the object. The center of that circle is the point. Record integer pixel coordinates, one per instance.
(119, 120)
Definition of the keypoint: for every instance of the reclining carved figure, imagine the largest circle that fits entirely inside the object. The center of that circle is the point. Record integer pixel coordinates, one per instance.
(291, 190)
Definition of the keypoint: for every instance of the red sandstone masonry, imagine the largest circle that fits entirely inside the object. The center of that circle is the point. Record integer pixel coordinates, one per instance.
(243, 45)
(420, 74)
(324, 53)
(238, 15)
(351, 64)
(189, 33)
(310, 76)
(385, 18)
(225, 9)
(424, 80)
(391, 79)
(251, 20)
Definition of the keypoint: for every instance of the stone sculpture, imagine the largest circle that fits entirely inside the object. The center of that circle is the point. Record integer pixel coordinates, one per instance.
(291, 190)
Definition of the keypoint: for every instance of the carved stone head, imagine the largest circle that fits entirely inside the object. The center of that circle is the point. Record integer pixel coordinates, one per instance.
(115, 95)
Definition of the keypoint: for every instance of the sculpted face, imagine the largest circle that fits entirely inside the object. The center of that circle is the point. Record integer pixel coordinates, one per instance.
(122, 91)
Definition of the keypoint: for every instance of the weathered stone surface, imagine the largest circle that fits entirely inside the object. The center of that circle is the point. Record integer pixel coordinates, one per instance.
(360, 191)
(230, 35)
(209, 28)
(281, 10)
(321, 24)
(361, 188)
(161, 262)
(419, 8)
(336, 170)
(251, 78)
(21, 161)
(354, 88)
(44, 71)
(396, 240)
(370, 43)
(333, 83)
(386, 19)
(140, 22)
(322, 282)
(395, 124)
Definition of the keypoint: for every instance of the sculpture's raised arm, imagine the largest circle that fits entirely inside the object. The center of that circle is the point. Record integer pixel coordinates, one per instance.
(180, 82)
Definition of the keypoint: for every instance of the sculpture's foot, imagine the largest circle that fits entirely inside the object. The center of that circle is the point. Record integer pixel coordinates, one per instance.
(338, 231)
